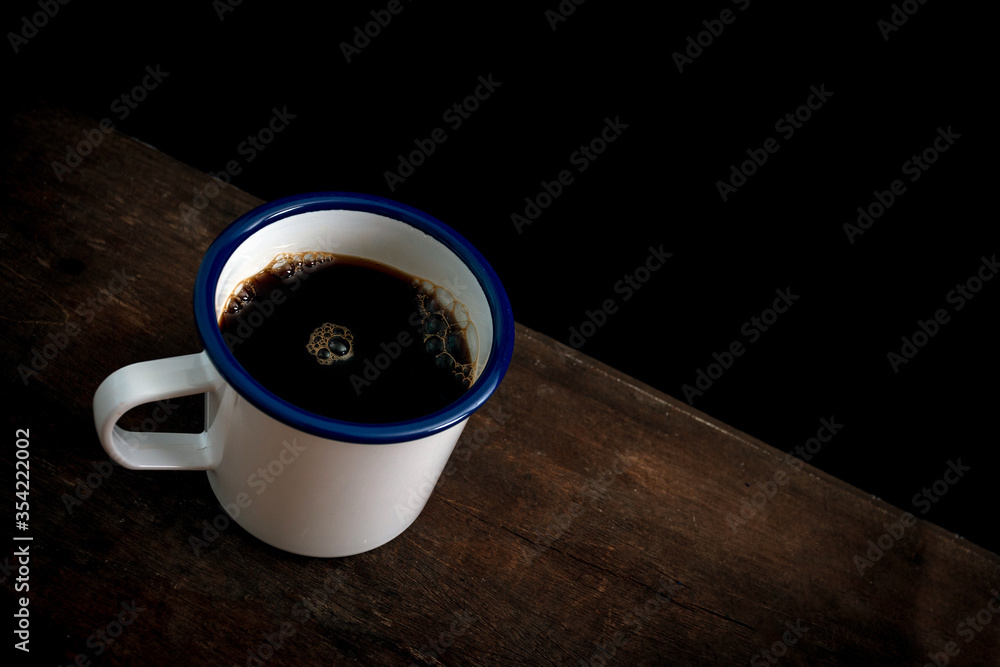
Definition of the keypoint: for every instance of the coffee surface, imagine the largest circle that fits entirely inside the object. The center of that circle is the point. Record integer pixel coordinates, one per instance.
(351, 338)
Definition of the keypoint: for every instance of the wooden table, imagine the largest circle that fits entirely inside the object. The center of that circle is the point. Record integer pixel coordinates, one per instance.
(585, 518)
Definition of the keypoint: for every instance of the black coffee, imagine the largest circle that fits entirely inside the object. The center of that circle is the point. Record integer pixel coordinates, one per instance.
(351, 338)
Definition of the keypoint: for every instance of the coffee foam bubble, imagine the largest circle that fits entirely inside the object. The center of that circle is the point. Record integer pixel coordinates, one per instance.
(330, 343)
(285, 267)
(448, 332)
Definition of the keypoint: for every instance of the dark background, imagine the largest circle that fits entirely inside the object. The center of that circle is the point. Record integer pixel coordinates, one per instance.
(655, 185)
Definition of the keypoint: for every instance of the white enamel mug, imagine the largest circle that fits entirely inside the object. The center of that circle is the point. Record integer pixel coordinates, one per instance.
(301, 482)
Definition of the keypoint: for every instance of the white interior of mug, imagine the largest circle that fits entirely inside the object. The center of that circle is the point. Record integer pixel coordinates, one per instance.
(371, 236)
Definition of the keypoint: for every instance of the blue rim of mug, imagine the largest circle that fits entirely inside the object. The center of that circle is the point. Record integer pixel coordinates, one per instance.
(502, 345)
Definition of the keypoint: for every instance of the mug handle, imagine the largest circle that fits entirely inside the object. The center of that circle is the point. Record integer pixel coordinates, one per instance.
(146, 382)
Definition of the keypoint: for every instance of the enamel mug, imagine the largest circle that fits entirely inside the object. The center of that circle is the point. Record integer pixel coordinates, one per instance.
(299, 481)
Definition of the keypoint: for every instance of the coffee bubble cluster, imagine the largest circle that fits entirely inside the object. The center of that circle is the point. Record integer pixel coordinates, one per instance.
(286, 267)
(331, 342)
(449, 335)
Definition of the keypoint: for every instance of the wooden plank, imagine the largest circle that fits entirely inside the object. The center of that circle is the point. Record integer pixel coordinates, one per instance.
(583, 517)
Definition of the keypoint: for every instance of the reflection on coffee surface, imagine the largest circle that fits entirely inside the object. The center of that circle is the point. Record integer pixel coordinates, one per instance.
(351, 338)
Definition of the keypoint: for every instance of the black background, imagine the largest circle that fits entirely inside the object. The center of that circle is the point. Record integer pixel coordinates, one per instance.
(655, 185)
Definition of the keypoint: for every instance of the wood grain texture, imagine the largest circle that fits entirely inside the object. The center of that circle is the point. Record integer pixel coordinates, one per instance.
(584, 516)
